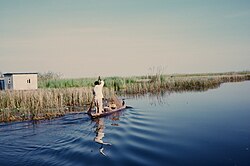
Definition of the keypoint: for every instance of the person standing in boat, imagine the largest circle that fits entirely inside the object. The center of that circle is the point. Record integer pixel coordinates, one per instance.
(98, 95)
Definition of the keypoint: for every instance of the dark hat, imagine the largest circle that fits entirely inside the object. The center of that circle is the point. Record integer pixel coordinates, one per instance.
(96, 82)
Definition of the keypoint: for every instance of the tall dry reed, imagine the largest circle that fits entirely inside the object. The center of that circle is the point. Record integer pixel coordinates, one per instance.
(179, 83)
(44, 103)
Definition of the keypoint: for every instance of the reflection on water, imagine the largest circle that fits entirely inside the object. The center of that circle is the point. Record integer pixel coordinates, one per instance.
(99, 130)
(115, 117)
(160, 98)
(100, 134)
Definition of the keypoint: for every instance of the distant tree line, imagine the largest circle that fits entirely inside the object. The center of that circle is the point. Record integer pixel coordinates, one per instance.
(49, 76)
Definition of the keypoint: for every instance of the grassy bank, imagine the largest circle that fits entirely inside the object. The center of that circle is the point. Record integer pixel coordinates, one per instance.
(56, 97)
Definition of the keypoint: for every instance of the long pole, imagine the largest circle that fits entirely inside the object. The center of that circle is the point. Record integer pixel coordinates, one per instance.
(90, 107)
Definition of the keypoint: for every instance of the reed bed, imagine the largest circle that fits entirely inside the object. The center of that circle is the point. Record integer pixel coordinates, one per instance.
(180, 83)
(56, 97)
(44, 103)
(152, 83)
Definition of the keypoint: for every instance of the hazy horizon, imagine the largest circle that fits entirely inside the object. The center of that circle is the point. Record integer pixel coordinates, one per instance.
(88, 38)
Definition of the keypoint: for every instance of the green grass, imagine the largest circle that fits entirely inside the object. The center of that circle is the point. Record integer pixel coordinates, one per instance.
(115, 83)
(153, 83)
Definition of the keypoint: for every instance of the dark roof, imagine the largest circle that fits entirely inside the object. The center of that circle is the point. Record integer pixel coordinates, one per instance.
(6, 74)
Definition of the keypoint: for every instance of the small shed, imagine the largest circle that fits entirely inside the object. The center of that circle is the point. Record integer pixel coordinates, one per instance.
(20, 81)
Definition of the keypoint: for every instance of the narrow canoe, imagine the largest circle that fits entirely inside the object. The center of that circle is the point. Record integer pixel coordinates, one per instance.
(108, 111)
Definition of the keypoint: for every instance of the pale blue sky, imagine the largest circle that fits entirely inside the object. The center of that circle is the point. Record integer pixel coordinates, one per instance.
(80, 38)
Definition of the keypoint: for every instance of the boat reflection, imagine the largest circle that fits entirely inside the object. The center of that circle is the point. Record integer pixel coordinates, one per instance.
(115, 118)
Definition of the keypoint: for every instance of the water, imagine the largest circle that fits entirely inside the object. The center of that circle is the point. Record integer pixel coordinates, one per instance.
(192, 128)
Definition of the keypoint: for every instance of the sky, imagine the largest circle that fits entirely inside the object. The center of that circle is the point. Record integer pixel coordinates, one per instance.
(88, 38)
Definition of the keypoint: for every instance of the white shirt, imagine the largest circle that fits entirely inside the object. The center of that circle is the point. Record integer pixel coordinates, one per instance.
(98, 90)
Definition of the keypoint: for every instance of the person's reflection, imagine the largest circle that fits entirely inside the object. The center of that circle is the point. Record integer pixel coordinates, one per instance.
(100, 126)
(100, 134)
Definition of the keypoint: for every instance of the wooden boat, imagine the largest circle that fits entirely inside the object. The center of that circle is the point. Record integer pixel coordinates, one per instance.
(107, 111)
(119, 105)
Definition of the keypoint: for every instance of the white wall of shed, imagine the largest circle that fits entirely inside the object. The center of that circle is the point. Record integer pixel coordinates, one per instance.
(20, 82)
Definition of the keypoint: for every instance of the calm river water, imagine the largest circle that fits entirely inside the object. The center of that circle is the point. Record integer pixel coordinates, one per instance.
(178, 129)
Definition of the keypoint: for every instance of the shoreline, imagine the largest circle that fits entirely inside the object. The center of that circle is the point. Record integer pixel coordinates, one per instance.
(49, 103)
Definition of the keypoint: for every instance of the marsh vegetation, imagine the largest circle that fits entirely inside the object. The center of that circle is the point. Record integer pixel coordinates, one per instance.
(153, 83)
(56, 97)
(44, 103)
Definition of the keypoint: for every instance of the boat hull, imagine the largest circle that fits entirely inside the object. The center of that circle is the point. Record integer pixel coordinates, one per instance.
(108, 111)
